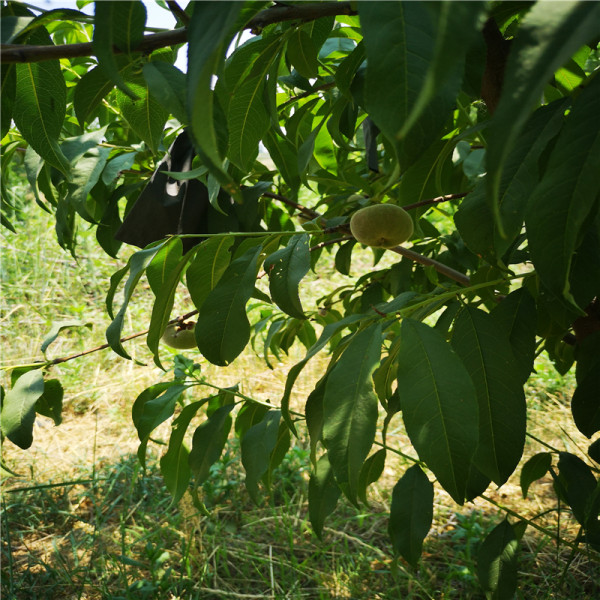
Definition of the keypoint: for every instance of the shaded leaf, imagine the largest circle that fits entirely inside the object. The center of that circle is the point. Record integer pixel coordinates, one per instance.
(323, 494)
(370, 472)
(302, 53)
(18, 408)
(153, 407)
(497, 562)
(206, 268)
(50, 403)
(286, 268)
(565, 197)
(167, 84)
(208, 442)
(174, 465)
(484, 349)
(223, 329)
(121, 24)
(350, 408)
(548, 35)
(439, 405)
(411, 514)
(40, 105)
(578, 485)
(257, 445)
(535, 468)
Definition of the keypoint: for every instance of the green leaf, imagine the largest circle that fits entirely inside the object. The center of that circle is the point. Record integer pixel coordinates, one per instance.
(284, 155)
(145, 115)
(328, 332)
(578, 484)
(18, 408)
(209, 33)
(163, 272)
(90, 90)
(167, 84)
(370, 472)
(57, 328)
(40, 107)
(208, 442)
(563, 201)
(323, 494)
(223, 329)
(121, 24)
(585, 404)
(257, 445)
(350, 408)
(8, 89)
(548, 35)
(411, 514)
(302, 53)
(497, 562)
(248, 116)
(535, 468)
(439, 405)
(136, 266)
(174, 464)
(456, 26)
(400, 39)
(286, 268)
(313, 413)
(206, 268)
(50, 403)
(153, 407)
(516, 315)
(487, 355)
(346, 70)
(85, 174)
(520, 175)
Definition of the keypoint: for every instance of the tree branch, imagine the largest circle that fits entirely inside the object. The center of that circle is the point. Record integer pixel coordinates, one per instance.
(309, 212)
(21, 53)
(435, 200)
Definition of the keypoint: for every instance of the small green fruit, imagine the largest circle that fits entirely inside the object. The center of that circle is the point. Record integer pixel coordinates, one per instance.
(381, 225)
(180, 336)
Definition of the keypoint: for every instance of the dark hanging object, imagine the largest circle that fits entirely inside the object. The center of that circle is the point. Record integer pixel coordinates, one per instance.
(370, 131)
(167, 206)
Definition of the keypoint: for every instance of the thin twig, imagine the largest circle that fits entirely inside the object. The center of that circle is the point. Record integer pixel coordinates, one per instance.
(430, 262)
(435, 200)
(21, 53)
(178, 12)
(331, 242)
(309, 212)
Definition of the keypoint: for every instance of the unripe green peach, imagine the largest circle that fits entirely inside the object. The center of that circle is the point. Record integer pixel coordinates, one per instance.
(180, 336)
(381, 225)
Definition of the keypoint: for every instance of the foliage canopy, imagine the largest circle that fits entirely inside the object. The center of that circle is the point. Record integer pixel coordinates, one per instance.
(481, 119)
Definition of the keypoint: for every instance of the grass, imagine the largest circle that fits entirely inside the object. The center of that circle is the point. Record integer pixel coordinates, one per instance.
(84, 521)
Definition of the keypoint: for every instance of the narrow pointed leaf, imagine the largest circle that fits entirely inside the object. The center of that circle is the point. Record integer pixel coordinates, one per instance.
(516, 315)
(585, 403)
(121, 24)
(257, 445)
(370, 472)
(136, 266)
(439, 405)
(223, 329)
(145, 115)
(302, 53)
(167, 84)
(18, 408)
(174, 465)
(535, 468)
(486, 353)
(286, 268)
(411, 514)
(548, 35)
(50, 403)
(153, 407)
(323, 494)
(208, 442)
(206, 268)
(350, 408)
(565, 197)
(40, 107)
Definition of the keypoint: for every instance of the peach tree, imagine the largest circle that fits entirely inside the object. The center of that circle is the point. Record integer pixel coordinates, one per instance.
(480, 119)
